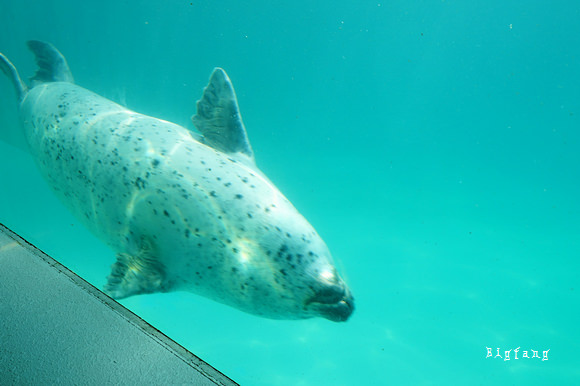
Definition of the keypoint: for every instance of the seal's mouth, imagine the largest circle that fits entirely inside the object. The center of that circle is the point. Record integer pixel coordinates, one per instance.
(334, 303)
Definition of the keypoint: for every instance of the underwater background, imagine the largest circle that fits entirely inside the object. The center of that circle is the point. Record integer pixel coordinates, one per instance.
(434, 145)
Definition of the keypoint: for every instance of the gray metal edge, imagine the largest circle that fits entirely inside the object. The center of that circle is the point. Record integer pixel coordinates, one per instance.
(163, 340)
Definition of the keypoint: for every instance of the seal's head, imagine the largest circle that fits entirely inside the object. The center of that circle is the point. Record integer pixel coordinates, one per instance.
(285, 271)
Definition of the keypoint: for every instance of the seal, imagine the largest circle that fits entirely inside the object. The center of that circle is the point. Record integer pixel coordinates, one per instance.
(183, 210)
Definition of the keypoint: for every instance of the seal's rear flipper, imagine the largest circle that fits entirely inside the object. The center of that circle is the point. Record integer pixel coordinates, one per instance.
(218, 117)
(134, 275)
(52, 66)
(10, 71)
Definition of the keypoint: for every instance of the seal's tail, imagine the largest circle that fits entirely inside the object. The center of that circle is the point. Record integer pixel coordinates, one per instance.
(10, 71)
(52, 66)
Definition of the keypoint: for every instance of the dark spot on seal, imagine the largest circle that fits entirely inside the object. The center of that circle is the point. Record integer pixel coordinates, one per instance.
(213, 193)
(227, 184)
(250, 215)
(239, 196)
(155, 163)
(141, 184)
(165, 212)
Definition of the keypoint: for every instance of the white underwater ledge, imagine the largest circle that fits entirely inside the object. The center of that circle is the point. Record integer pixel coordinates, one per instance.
(55, 328)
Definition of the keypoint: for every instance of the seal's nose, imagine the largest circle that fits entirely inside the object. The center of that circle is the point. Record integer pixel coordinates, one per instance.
(330, 294)
(342, 310)
(334, 302)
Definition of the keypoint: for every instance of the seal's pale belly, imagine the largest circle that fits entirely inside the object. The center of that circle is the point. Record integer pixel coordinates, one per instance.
(182, 210)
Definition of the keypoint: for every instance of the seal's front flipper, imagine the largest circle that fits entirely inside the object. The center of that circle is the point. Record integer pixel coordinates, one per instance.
(218, 117)
(134, 275)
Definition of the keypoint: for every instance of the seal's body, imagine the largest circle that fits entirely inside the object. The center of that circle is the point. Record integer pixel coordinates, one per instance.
(183, 211)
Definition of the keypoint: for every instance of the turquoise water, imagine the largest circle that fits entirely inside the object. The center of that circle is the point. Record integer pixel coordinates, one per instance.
(433, 144)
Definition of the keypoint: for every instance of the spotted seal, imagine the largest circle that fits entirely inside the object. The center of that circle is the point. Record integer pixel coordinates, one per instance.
(185, 211)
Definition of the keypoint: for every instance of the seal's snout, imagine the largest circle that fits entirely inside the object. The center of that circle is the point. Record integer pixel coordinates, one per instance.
(329, 294)
(342, 310)
(333, 302)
